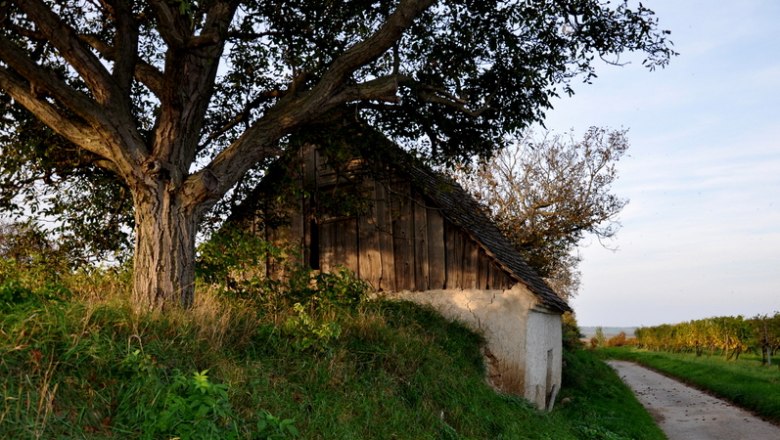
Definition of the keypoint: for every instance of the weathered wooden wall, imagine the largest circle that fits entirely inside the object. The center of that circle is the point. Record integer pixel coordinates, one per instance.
(402, 242)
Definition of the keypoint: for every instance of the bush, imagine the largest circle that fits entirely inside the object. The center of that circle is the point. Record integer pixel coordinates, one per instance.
(618, 340)
(235, 261)
(572, 338)
(14, 294)
(193, 408)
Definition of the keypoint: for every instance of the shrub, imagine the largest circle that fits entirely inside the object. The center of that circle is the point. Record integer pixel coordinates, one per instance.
(193, 408)
(572, 338)
(13, 294)
(618, 340)
(236, 261)
(311, 333)
(324, 300)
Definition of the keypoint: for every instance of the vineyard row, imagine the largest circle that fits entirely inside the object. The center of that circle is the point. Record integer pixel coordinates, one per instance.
(728, 335)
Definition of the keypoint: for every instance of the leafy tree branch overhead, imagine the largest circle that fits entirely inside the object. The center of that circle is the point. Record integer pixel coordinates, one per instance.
(181, 98)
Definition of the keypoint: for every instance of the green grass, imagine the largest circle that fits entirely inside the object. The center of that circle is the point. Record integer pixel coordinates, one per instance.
(745, 382)
(596, 403)
(90, 367)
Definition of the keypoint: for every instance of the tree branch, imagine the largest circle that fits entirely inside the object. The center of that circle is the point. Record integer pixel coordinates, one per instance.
(369, 49)
(70, 47)
(184, 105)
(171, 27)
(243, 116)
(40, 80)
(245, 36)
(379, 89)
(121, 142)
(23, 31)
(126, 44)
(75, 131)
(144, 72)
(437, 96)
(261, 140)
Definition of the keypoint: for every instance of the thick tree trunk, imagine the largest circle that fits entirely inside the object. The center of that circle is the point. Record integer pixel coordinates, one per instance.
(164, 259)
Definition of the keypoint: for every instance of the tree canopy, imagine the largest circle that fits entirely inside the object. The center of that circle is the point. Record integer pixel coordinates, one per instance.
(546, 194)
(180, 99)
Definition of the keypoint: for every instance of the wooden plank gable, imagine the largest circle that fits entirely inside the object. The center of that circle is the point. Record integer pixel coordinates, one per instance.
(401, 242)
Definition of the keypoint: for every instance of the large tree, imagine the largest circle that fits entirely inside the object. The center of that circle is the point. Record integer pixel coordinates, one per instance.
(179, 99)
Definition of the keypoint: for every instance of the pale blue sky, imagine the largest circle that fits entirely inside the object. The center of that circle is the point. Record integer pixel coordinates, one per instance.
(701, 234)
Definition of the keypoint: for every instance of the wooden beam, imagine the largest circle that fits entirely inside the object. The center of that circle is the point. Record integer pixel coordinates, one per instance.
(369, 254)
(436, 255)
(403, 244)
(421, 257)
(384, 228)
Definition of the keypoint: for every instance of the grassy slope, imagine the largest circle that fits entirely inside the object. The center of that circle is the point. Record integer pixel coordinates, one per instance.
(91, 368)
(745, 382)
(598, 405)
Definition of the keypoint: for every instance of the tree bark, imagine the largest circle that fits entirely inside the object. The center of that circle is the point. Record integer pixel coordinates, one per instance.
(164, 260)
(168, 200)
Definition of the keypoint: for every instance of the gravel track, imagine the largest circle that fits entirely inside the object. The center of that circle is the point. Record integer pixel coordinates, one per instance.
(684, 413)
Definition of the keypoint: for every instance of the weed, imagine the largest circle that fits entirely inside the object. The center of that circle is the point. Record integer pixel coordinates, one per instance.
(194, 408)
(270, 427)
(309, 333)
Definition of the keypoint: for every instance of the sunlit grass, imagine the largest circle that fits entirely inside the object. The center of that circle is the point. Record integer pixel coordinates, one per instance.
(76, 361)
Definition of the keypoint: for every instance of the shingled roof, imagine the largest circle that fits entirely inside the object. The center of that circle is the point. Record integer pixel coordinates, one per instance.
(460, 208)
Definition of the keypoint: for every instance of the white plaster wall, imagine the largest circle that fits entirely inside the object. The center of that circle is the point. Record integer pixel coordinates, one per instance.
(543, 358)
(501, 316)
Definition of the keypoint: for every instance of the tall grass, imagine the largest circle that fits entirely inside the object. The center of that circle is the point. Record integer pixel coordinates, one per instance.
(745, 382)
(314, 359)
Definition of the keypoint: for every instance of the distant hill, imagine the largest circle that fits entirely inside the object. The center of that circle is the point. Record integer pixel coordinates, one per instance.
(590, 332)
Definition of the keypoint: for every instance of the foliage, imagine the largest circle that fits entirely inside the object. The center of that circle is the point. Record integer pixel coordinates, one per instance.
(322, 297)
(43, 177)
(340, 288)
(311, 333)
(92, 367)
(236, 261)
(599, 339)
(730, 336)
(270, 427)
(745, 382)
(619, 340)
(189, 407)
(546, 194)
(21, 242)
(14, 294)
(26, 252)
(31, 270)
(172, 105)
(572, 338)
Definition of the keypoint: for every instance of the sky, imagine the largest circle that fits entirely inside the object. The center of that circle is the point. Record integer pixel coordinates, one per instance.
(700, 236)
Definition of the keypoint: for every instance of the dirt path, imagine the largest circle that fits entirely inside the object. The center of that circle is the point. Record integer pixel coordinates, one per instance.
(684, 413)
